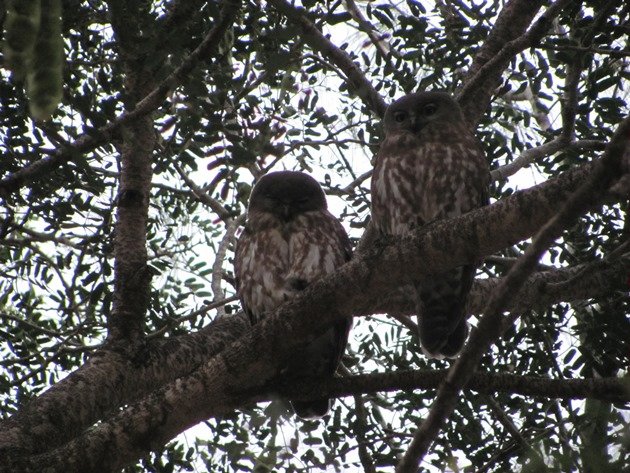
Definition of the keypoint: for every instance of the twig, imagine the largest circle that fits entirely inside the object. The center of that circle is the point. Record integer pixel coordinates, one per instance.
(357, 182)
(360, 427)
(532, 155)
(569, 102)
(44, 237)
(493, 324)
(203, 196)
(217, 266)
(26, 323)
(298, 144)
(609, 52)
(377, 38)
(193, 315)
(504, 419)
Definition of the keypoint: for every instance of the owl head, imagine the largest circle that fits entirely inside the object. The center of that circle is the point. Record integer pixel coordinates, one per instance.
(415, 112)
(286, 194)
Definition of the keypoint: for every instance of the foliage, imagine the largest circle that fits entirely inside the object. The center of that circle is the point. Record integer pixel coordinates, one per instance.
(267, 99)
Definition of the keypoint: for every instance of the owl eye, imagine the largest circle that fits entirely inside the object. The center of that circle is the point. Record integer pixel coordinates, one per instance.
(429, 109)
(400, 116)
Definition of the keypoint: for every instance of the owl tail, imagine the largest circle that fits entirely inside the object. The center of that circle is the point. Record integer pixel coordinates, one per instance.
(442, 322)
(310, 410)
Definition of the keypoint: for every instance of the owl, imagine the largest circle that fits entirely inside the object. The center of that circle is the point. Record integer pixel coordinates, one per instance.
(429, 167)
(290, 240)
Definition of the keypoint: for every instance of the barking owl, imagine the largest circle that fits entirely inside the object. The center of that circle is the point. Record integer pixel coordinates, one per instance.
(429, 167)
(290, 240)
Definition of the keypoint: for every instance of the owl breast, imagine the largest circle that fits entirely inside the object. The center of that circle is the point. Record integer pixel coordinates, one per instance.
(281, 259)
(424, 181)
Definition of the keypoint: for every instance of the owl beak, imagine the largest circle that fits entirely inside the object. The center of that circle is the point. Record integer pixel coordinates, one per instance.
(286, 212)
(416, 124)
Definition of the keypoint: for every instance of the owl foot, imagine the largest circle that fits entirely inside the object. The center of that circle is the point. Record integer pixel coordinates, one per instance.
(438, 339)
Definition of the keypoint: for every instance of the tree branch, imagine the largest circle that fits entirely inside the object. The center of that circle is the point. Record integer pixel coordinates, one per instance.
(95, 138)
(355, 78)
(108, 380)
(493, 323)
(533, 155)
(376, 38)
(86, 454)
(605, 389)
(351, 290)
(217, 267)
(504, 42)
(203, 196)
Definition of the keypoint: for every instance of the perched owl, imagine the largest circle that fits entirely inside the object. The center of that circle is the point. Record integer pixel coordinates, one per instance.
(430, 166)
(290, 240)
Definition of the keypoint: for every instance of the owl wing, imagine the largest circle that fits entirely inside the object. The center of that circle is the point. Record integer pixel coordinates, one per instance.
(260, 267)
(443, 328)
(273, 265)
(319, 250)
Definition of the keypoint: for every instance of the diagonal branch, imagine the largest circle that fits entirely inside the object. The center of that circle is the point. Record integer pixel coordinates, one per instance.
(378, 39)
(95, 138)
(502, 45)
(355, 78)
(493, 323)
(204, 197)
(533, 155)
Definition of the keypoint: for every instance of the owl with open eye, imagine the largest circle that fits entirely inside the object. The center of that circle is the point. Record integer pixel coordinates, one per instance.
(290, 240)
(430, 166)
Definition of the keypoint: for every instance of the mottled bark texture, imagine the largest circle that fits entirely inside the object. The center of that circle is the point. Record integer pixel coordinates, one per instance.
(132, 278)
(131, 274)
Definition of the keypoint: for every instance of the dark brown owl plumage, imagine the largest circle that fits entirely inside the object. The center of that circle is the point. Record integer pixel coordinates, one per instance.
(290, 240)
(430, 166)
